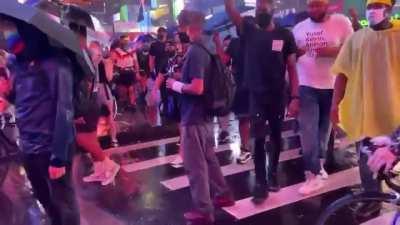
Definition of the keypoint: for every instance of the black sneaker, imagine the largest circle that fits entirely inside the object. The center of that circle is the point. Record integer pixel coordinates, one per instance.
(260, 194)
(223, 138)
(274, 184)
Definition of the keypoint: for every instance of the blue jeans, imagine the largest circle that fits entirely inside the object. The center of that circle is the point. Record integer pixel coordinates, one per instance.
(315, 125)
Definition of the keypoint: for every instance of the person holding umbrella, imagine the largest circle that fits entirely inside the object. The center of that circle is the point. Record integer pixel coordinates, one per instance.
(43, 97)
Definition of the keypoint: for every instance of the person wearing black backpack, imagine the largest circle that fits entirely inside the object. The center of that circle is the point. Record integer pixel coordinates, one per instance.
(269, 51)
(200, 161)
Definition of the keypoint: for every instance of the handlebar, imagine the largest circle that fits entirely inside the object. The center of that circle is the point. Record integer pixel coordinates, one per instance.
(369, 148)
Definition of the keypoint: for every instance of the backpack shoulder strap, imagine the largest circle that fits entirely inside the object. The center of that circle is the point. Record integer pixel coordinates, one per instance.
(204, 48)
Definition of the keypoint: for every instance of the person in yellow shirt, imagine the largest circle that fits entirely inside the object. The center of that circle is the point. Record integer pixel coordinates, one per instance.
(366, 100)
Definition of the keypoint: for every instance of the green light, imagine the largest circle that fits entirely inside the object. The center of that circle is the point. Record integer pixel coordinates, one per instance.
(178, 6)
(365, 23)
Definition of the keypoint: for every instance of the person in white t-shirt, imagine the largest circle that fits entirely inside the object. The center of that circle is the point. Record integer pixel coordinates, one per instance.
(319, 39)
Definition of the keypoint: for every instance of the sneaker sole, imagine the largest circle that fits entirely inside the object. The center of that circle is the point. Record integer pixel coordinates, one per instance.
(112, 177)
(311, 192)
(244, 161)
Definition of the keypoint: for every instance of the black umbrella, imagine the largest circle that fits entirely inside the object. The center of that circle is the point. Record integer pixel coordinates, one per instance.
(69, 13)
(58, 34)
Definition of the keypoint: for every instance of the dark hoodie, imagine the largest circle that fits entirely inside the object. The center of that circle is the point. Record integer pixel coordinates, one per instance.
(43, 97)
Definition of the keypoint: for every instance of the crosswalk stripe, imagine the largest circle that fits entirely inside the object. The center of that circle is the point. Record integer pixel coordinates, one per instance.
(246, 208)
(128, 148)
(386, 218)
(137, 166)
(134, 147)
(183, 182)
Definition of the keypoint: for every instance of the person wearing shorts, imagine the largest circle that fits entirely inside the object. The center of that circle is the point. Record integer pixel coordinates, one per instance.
(127, 66)
(241, 102)
(105, 98)
(87, 115)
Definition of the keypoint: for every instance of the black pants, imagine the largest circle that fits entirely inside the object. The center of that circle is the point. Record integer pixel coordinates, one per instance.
(264, 108)
(56, 196)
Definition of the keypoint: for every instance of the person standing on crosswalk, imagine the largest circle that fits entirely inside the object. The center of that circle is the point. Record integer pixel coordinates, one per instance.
(197, 142)
(366, 99)
(270, 51)
(319, 39)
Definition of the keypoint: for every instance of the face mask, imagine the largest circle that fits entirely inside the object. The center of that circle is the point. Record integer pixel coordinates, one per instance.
(263, 20)
(376, 16)
(14, 42)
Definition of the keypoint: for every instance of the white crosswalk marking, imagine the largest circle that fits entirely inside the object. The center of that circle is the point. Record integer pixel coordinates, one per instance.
(128, 148)
(245, 208)
(165, 160)
(183, 182)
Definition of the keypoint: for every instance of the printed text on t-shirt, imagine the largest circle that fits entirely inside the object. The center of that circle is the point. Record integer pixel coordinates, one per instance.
(315, 40)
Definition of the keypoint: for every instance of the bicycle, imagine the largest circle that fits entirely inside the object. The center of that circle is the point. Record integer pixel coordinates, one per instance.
(361, 197)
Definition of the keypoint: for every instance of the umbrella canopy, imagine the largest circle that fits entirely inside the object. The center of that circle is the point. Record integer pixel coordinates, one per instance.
(58, 34)
(71, 13)
(220, 21)
(41, 21)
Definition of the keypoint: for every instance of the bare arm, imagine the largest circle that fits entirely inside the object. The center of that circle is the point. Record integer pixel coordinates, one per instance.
(293, 78)
(340, 90)
(220, 50)
(328, 51)
(233, 13)
(109, 67)
(152, 60)
(338, 95)
(294, 105)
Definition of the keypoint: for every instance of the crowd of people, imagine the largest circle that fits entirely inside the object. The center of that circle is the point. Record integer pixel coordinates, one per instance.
(325, 71)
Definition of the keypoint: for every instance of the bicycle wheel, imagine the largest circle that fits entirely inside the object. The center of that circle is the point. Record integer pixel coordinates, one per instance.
(396, 219)
(341, 203)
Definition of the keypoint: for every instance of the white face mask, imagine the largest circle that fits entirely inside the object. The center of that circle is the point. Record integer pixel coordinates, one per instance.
(376, 16)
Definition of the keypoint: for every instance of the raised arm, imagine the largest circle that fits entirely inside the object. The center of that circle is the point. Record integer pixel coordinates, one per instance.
(233, 13)
(220, 49)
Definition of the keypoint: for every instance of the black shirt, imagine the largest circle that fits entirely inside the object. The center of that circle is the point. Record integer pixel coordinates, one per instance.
(143, 60)
(266, 54)
(158, 50)
(102, 73)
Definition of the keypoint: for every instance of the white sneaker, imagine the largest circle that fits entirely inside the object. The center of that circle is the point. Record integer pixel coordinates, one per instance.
(111, 170)
(177, 162)
(324, 174)
(244, 157)
(97, 175)
(313, 184)
(114, 144)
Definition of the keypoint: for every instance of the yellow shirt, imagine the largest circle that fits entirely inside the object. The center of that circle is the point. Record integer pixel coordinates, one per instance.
(371, 62)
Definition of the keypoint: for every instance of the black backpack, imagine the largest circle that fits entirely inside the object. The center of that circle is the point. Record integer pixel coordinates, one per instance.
(219, 86)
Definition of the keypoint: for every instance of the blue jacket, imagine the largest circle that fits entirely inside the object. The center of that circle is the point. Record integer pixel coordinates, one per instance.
(43, 98)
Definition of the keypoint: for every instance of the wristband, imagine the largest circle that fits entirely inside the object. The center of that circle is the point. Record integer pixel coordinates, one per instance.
(178, 86)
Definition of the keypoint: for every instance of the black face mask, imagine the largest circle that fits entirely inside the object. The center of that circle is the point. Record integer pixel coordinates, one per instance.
(263, 20)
